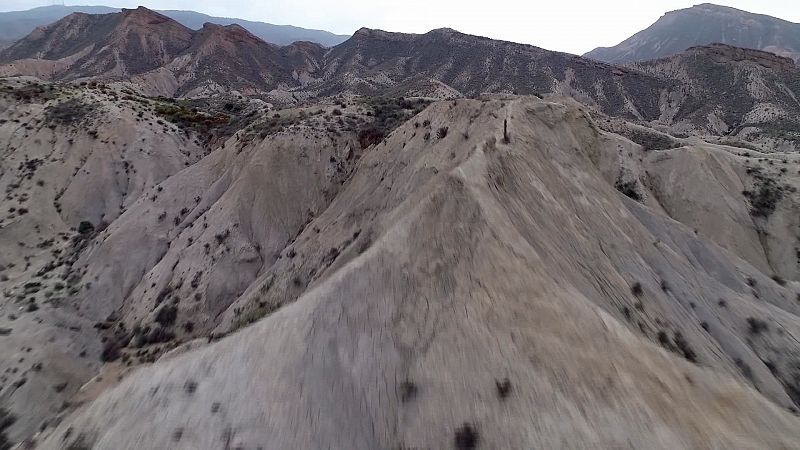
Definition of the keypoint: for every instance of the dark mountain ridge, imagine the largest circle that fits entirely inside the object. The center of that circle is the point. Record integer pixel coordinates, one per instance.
(15, 25)
(126, 43)
(471, 65)
(157, 50)
(158, 56)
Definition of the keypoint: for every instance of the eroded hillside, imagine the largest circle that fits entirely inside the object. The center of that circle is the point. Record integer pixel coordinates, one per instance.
(405, 283)
(129, 224)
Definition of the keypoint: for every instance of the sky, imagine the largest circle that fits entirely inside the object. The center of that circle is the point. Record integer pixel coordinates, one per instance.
(574, 26)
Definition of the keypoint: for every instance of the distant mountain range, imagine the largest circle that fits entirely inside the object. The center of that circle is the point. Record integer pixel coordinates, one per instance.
(158, 56)
(17, 24)
(163, 57)
(705, 24)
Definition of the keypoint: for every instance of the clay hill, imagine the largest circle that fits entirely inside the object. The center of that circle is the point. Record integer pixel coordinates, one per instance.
(298, 285)
(344, 250)
(705, 24)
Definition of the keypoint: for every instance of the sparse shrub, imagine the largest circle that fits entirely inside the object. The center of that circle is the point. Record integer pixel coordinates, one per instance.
(111, 351)
(6, 420)
(651, 139)
(756, 326)
(636, 289)
(388, 113)
(297, 281)
(408, 390)
(85, 227)
(683, 347)
(330, 257)
(221, 237)
(466, 437)
(663, 339)
(370, 136)
(72, 112)
(778, 279)
(744, 368)
(503, 388)
(184, 116)
(190, 386)
(166, 315)
(628, 188)
(441, 133)
(772, 368)
(765, 199)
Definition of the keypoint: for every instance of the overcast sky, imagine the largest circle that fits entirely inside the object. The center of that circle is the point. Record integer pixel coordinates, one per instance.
(574, 26)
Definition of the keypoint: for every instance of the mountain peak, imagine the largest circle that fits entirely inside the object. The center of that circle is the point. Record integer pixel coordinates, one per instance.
(132, 41)
(371, 33)
(444, 30)
(144, 14)
(714, 7)
(365, 32)
(701, 25)
(233, 32)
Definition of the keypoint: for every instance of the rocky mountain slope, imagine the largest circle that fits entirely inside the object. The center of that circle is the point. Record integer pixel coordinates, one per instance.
(404, 290)
(18, 24)
(108, 45)
(724, 92)
(705, 24)
(159, 55)
(274, 34)
(442, 63)
(742, 95)
(375, 61)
